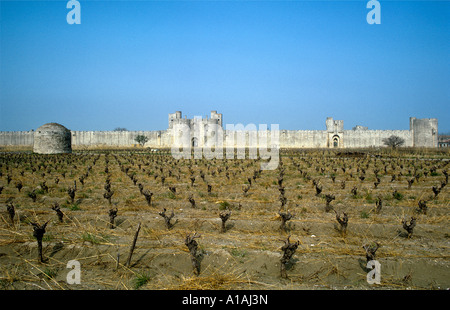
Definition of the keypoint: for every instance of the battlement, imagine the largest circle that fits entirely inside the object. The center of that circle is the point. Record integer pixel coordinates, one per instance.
(176, 119)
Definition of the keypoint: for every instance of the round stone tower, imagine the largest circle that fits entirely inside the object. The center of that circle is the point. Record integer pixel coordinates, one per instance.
(52, 138)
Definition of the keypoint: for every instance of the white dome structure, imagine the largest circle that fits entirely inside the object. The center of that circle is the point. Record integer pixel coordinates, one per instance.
(52, 138)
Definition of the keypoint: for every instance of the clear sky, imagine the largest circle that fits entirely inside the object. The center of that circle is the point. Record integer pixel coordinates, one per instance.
(293, 63)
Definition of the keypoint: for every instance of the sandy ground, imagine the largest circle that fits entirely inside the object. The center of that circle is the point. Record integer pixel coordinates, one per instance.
(247, 255)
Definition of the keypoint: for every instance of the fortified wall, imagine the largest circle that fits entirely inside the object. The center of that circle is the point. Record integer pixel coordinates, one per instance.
(422, 133)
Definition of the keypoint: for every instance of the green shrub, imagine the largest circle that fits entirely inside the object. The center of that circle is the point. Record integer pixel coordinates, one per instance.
(397, 195)
(369, 198)
(141, 279)
(224, 205)
(238, 253)
(73, 207)
(94, 239)
(50, 273)
(364, 215)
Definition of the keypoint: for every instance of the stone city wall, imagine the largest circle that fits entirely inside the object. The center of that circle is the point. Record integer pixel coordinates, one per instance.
(287, 138)
(118, 138)
(373, 138)
(422, 133)
(22, 138)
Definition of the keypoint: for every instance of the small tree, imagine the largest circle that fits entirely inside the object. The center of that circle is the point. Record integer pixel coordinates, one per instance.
(120, 129)
(393, 141)
(141, 139)
(192, 246)
(288, 251)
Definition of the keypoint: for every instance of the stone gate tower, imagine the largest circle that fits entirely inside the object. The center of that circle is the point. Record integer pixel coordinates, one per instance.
(335, 131)
(203, 131)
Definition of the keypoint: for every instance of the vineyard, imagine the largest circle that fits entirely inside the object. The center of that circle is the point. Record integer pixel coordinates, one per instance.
(144, 220)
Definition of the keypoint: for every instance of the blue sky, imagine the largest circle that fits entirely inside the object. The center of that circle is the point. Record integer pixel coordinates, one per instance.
(293, 63)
